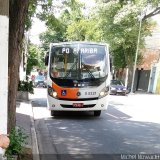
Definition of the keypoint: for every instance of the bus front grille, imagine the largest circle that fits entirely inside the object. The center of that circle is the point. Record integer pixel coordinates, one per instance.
(84, 106)
(79, 99)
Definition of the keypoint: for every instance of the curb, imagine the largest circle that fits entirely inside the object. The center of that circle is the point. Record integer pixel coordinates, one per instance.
(35, 149)
(21, 104)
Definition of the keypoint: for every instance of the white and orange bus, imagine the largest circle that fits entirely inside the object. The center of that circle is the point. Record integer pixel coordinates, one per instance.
(78, 77)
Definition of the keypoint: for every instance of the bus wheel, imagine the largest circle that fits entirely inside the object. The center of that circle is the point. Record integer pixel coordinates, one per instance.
(97, 113)
(54, 113)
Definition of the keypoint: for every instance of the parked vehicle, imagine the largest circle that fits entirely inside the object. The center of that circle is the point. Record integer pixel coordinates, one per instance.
(117, 87)
(40, 81)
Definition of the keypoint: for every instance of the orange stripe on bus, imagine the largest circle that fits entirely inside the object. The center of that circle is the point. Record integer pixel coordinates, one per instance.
(71, 93)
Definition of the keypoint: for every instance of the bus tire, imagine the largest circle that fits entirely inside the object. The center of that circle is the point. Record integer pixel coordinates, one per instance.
(54, 113)
(97, 113)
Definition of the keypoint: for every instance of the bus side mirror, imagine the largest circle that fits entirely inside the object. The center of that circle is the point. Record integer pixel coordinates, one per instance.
(46, 59)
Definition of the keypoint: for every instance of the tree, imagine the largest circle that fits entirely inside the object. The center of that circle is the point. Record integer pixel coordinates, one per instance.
(152, 5)
(20, 20)
(80, 26)
(84, 29)
(71, 25)
(33, 58)
(50, 36)
(120, 25)
(17, 11)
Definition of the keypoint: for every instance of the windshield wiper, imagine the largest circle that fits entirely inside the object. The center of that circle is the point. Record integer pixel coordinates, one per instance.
(76, 62)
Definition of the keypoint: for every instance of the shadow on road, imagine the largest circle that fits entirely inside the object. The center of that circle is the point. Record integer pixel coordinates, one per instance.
(39, 102)
(80, 133)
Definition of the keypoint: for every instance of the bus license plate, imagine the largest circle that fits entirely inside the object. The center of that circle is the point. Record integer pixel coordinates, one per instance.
(78, 105)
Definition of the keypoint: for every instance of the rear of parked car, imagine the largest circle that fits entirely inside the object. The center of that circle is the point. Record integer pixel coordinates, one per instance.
(40, 81)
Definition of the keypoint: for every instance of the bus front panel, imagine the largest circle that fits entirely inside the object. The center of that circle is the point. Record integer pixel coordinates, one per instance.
(78, 77)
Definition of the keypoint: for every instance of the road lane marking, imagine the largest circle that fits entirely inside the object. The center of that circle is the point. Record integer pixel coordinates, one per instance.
(112, 115)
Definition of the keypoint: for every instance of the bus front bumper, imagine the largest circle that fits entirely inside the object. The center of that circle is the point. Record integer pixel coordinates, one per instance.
(65, 105)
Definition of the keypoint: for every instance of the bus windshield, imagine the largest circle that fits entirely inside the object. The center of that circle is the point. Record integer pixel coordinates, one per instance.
(78, 61)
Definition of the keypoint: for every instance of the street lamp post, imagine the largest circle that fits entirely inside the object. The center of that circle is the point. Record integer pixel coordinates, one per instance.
(137, 49)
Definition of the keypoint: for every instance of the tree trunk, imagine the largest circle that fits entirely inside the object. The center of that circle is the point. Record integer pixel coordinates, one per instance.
(18, 10)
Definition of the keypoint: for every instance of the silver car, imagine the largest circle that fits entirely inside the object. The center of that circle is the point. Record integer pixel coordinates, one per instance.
(40, 81)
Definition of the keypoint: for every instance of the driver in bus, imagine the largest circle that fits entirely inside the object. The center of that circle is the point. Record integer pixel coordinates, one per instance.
(92, 62)
(95, 63)
(54, 72)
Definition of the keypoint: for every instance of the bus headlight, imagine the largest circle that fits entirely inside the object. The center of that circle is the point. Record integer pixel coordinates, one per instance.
(54, 94)
(104, 92)
(51, 92)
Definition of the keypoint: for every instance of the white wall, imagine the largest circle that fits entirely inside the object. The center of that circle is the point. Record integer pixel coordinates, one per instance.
(4, 23)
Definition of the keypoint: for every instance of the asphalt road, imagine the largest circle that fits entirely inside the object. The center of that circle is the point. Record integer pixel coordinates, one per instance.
(130, 126)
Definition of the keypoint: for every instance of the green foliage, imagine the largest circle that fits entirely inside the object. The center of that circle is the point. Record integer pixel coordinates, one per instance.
(75, 9)
(85, 29)
(17, 141)
(77, 31)
(120, 25)
(26, 86)
(57, 27)
(50, 36)
(113, 22)
(31, 12)
(32, 58)
(35, 58)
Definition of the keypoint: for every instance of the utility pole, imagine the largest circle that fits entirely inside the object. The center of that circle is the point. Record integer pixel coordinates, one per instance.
(4, 30)
(137, 49)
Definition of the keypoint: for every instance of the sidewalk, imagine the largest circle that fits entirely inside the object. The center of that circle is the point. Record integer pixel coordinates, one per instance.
(24, 119)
